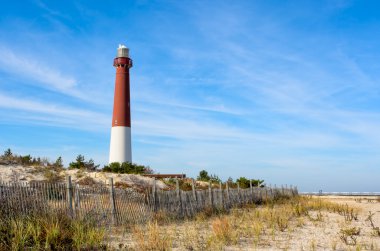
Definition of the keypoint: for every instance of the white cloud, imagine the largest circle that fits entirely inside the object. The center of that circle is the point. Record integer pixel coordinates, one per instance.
(58, 115)
(37, 73)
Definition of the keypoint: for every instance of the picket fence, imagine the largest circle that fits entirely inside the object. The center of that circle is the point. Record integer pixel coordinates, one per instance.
(107, 204)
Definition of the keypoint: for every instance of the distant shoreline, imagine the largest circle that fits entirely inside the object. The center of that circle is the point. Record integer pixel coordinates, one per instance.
(341, 193)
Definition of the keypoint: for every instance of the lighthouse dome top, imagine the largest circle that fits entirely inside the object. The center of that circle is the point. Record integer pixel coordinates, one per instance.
(122, 51)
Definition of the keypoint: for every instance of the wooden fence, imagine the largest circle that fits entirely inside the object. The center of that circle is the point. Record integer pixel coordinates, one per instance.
(107, 204)
(178, 203)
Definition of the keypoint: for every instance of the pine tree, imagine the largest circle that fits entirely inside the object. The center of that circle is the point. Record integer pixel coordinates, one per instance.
(8, 153)
(58, 162)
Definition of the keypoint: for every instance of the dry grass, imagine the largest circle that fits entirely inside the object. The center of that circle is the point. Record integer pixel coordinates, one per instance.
(86, 181)
(151, 237)
(301, 223)
(223, 232)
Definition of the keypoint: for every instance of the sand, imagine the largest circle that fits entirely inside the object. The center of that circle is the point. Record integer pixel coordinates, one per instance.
(318, 231)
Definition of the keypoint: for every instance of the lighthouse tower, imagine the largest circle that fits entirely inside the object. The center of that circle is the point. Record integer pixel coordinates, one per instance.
(120, 146)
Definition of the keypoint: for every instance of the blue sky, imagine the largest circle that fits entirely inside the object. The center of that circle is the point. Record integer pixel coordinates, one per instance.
(286, 91)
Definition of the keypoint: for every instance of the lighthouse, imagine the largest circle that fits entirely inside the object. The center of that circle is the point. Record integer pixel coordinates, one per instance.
(120, 145)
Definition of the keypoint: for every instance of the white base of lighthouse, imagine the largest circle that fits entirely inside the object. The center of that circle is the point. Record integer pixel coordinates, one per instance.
(120, 147)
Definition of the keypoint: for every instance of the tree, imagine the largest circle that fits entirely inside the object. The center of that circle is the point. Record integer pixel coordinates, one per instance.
(244, 182)
(80, 159)
(26, 160)
(58, 162)
(8, 153)
(203, 176)
(258, 183)
(78, 164)
(90, 165)
(215, 178)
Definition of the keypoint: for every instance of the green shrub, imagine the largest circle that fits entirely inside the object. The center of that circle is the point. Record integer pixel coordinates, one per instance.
(245, 183)
(58, 163)
(8, 153)
(80, 163)
(126, 167)
(203, 176)
(26, 160)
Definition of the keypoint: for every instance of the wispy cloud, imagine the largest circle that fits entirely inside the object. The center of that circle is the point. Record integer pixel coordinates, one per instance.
(35, 72)
(58, 115)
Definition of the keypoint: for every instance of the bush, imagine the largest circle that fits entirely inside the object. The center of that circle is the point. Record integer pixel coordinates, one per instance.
(87, 181)
(8, 153)
(245, 183)
(52, 176)
(257, 183)
(184, 184)
(349, 235)
(127, 167)
(80, 163)
(26, 160)
(203, 176)
(58, 163)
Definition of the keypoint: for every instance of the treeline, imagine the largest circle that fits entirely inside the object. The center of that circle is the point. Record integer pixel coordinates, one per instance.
(242, 181)
(9, 158)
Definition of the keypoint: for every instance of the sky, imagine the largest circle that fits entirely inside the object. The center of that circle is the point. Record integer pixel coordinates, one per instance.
(285, 91)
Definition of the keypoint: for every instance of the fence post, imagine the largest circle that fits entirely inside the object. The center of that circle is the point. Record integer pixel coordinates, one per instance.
(251, 187)
(112, 200)
(282, 190)
(210, 193)
(286, 189)
(291, 190)
(154, 195)
(221, 194)
(69, 195)
(178, 196)
(238, 190)
(228, 193)
(77, 199)
(193, 189)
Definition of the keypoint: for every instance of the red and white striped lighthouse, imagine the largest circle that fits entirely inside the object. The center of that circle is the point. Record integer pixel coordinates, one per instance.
(120, 146)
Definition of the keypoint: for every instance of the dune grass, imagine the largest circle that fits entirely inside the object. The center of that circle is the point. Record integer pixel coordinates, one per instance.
(49, 232)
(271, 225)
